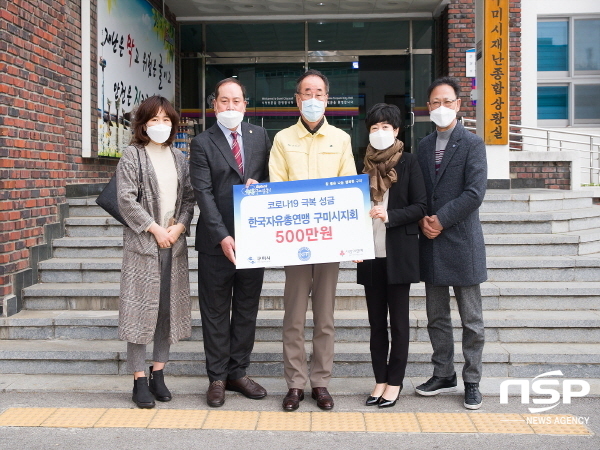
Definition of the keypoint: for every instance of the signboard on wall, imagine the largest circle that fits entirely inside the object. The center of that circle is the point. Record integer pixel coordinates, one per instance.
(136, 59)
(496, 76)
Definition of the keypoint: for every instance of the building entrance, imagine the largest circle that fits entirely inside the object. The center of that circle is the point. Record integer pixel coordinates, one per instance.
(358, 78)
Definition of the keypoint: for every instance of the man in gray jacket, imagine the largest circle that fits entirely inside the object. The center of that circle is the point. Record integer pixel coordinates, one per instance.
(452, 250)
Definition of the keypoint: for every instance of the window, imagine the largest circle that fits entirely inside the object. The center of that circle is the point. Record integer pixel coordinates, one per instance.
(568, 65)
(553, 48)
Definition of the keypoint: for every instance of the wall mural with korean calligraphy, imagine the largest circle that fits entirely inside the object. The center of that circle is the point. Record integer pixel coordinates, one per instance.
(136, 48)
(496, 72)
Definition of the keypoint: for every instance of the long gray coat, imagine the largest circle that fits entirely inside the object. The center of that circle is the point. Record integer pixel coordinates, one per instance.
(457, 256)
(140, 274)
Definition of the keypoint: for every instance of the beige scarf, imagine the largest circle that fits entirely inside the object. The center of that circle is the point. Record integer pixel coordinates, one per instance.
(379, 165)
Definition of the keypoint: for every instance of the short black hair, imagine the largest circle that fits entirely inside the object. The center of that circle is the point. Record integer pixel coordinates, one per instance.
(452, 82)
(230, 80)
(313, 73)
(384, 112)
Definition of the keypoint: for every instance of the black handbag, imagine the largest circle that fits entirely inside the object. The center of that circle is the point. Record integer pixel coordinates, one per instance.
(107, 199)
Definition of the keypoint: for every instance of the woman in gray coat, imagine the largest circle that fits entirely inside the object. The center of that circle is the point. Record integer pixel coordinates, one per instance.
(155, 292)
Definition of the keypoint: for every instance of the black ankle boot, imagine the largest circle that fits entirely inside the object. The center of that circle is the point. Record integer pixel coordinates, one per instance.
(158, 387)
(141, 394)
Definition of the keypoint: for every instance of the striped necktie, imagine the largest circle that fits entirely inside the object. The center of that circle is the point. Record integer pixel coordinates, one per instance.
(237, 151)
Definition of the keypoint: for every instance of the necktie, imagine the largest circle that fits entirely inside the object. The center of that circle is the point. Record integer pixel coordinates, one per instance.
(237, 151)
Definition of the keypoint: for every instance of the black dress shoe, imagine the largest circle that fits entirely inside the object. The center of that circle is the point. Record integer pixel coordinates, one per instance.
(372, 401)
(384, 403)
(292, 400)
(323, 398)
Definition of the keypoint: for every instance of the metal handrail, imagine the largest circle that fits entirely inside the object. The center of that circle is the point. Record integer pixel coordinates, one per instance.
(544, 139)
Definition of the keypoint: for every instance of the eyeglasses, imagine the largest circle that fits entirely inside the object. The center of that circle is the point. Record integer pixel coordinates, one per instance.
(446, 102)
(307, 95)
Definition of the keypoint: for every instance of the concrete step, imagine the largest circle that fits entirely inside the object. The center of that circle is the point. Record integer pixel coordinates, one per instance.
(544, 268)
(541, 222)
(493, 223)
(350, 360)
(500, 268)
(501, 212)
(581, 242)
(534, 200)
(495, 201)
(101, 226)
(193, 385)
(351, 326)
(108, 270)
(498, 295)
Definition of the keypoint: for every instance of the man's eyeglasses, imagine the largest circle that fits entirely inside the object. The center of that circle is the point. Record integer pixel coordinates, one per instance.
(307, 95)
(446, 102)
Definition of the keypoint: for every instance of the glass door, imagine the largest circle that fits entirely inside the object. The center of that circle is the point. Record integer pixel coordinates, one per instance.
(359, 83)
(356, 83)
(270, 90)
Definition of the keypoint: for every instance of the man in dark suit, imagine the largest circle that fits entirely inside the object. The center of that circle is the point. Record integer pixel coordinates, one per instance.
(452, 250)
(230, 152)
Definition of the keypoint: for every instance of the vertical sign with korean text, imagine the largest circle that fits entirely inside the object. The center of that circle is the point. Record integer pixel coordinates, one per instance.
(496, 77)
(136, 59)
(303, 222)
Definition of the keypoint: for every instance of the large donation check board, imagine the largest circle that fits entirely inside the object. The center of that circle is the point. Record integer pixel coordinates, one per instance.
(303, 222)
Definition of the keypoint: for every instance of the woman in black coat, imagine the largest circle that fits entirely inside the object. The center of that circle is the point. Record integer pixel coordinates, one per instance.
(399, 202)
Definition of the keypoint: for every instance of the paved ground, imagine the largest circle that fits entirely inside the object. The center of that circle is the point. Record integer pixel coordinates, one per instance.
(62, 392)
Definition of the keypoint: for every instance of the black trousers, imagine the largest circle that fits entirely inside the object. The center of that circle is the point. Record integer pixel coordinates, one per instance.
(381, 299)
(228, 307)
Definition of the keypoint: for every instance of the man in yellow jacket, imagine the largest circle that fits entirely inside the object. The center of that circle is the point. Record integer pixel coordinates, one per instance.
(307, 150)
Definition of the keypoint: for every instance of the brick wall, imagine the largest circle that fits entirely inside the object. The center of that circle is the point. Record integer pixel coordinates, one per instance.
(460, 16)
(540, 174)
(40, 130)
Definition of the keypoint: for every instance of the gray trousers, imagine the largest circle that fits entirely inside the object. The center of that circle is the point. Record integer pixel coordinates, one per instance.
(136, 353)
(439, 326)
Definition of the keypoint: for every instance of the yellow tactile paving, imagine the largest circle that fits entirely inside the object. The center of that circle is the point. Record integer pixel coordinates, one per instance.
(178, 418)
(25, 417)
(446, 423)
(284, 421)
(392, 422)
(475, 422)
(231, 420)
(500, 423)
(343, 421)
(555, 424)
(125, 418)
(74, 417)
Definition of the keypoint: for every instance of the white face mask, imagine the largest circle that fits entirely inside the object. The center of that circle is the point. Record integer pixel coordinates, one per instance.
(313, 109)
(382, 139)
(159, 133)
(230, 119)
(442, 116)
